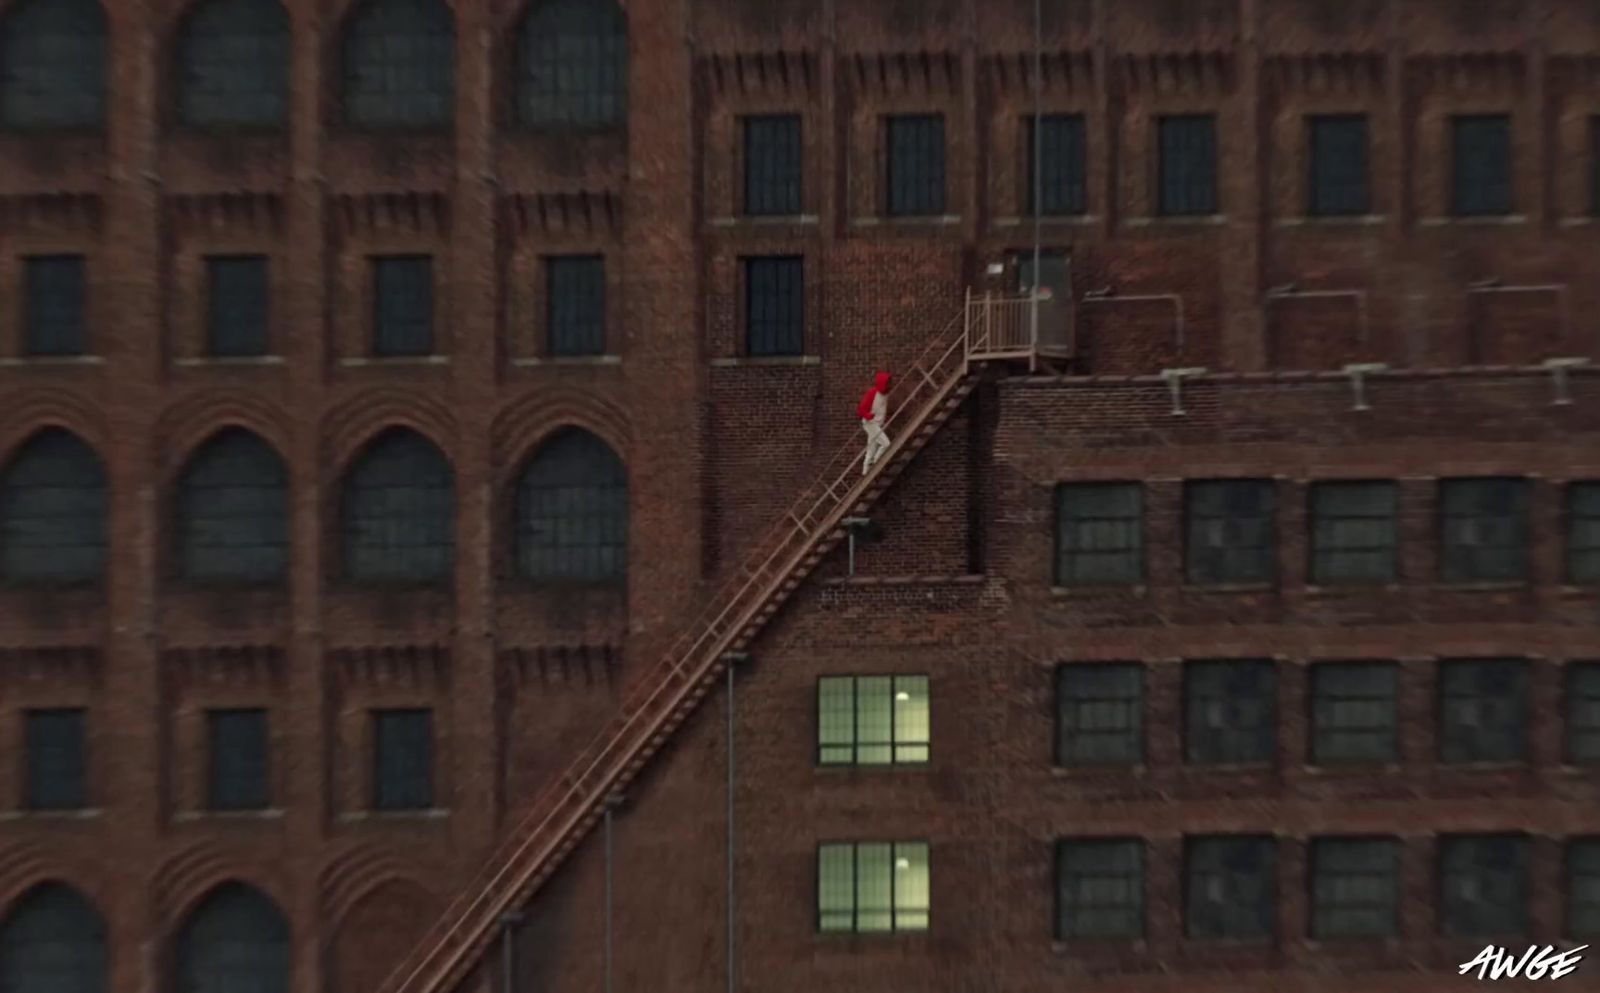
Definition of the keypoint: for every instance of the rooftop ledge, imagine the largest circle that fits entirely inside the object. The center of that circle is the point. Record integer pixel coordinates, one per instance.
(964, 580)
(1314, 376)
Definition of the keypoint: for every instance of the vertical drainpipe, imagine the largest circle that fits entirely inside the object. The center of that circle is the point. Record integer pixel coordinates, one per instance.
(611, 803)
(1038, 173)
(508, 947)
(731, 914)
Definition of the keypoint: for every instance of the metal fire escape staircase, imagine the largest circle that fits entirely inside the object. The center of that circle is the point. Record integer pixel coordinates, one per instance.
(925, 395)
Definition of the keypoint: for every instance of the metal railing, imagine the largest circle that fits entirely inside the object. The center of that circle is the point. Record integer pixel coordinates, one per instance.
(1017, 327)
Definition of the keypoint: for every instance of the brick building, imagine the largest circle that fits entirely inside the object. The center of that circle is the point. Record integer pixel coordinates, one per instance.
(382, 383)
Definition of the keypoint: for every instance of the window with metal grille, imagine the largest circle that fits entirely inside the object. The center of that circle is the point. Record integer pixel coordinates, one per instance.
(237, 305)
(1230, 889)
(233, 65)
(236, 940)
(1355, 533)
(1231, 531)
(1482, 165)
(1483, 883)
(1099, 888)
(772, 165)
(402, 759)
(1583, 533)
(57, 760)
(1099, 713)
(872, 720)
(872, 886)
(53, 941)
(53, 65)
(1099, 534)
(1594, 165)
(233, 512)
(572, 513)
(1483, 526)
(1355, 888)
(1583, 887)
(402, 306)
(399, 65)
(55, 305)
(1483, 710)
(1583, 713)
(53, 513)
(1339, 172)
(916, 165)
(1231, 712)
(1188, 165)
(1355, 712)
(1057, 165)
(576, 312)
(238, 760)
(398, 513)
(774, 306)
(572, 65)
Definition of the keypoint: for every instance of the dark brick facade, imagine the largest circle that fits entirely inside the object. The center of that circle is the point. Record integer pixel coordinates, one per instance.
(959, 588)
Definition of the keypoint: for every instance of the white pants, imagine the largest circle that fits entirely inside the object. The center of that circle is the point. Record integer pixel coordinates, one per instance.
(877, 444)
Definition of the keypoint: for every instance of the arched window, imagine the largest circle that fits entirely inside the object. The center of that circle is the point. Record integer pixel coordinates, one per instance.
(236, 941)
(572, 65)
(233, 512)
(233, 65)
(53, 65)
(399, 65)
(398, 514)
(53, 513)
(572, 513)
(53, 942)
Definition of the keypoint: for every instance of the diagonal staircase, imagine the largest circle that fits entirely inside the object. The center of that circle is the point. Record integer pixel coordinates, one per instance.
(924, 397)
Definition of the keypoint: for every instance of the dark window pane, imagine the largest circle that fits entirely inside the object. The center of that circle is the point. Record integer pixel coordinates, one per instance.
(916, 165)
(53, 941)
(1594, 165)
(1483, 880)
(572, 513)
(872, 720)
(398, 513)
(577, 304)
(1483, 530)
(1231, 531)
(1354, 712)
(236, 941)
(572, 65)
(1100, 713)
(1339, 174)
(1355, 533)
(775, 306)
(1583, 713)
(237, 305)
(1230, 887)
(1100, 888)
(1057, 152)
(53, 513)
(402, 748)
(399, 65)
(868, 887)
(1355, 888)
(1482, 151)
(772, 169)
(1099, 534)
(233, 512)
(56, 317)
(1583, 533)
(233, 65)
(239, 760)
(1230, 711)
(1583, 887)
(1188, 185)
(53, 65)
(58, 764)
(402, 297)
(1483, 710)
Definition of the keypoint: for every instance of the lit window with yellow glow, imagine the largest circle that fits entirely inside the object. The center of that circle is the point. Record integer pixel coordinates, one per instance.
(872, 720)
(868, 887)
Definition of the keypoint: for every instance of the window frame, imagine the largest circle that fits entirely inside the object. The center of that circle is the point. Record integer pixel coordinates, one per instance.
(782, 181)
(1501, 201)
(1318, 568)
(54, 797)
(218, 314)
(916, 172)
(256, 793)
(1519, 526)
(1519, 882)
(348, 538)
(1138, 521)
(1200, 180)
(391, 112)
(1583, 849)
(382, 319)
(1574, 494)
(63, 329)
(262, 117)
(1067, 174)
(787, 337)
(1483, 677)
(1231, 674)
(1265, 850)
(1230, 497)
(1318, 753)
(398, 799)
(91, 93)
(893, 744)
(1136, 876)
(1065, 672)
(1576, 672)
(571, 329)
(596, 457)
(1321, 848)
(1329, 194)
(91, 492)
(894, 909)
(550, 109)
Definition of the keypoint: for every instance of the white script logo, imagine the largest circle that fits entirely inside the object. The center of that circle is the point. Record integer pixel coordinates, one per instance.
(1495, 962)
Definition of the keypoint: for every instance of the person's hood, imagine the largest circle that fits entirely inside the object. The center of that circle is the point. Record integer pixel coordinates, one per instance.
(883, 382)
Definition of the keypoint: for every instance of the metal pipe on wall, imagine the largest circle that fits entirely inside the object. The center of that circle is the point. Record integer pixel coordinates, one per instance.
(1107, 295)
(1292, 292)
(508, 946)
(1558, 289)
(732, 975)
(610, 805)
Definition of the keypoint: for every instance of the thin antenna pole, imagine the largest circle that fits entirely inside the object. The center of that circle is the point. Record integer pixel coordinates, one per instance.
(1038, 159)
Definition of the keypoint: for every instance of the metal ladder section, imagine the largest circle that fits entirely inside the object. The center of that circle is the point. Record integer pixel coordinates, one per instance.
(923, 398)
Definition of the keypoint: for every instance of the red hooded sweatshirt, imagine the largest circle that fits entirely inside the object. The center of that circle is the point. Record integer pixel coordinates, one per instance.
(864, 409)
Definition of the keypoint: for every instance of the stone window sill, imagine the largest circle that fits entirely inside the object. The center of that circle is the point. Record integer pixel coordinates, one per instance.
(1048, 220)
(577, 360)
(1119, 589)
(1352, 590)
(1202, 220)
(230, 360)
(910, 221)
(1331, 220)
(244, 816)
(1093, 771)
(394, 816)
(765, 221)
(49, 361)
(84, 814)
(756, 360)
(395, 360)
(1229, 588)
(1492, 587)
(1493, 220)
